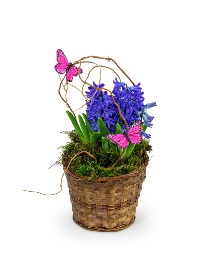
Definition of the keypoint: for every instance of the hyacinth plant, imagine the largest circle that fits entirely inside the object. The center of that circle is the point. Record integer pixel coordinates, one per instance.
(114, 121)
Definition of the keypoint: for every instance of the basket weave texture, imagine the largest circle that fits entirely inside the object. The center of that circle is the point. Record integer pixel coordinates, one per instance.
(105, 204)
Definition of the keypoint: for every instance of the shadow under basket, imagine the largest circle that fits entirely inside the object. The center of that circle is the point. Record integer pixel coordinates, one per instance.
(105, 204)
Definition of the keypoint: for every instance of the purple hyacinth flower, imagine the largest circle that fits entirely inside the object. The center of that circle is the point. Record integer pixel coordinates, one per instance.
(102, 106)
(130, 100)
(147, 136)
(92, 90)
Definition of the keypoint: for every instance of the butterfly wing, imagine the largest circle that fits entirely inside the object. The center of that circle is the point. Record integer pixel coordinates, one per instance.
(73, 71)
(134, 133)
(118, 139)
(62, 64)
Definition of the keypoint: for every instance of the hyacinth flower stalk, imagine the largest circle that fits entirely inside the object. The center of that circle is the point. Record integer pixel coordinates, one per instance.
(130, 99)
(147, 119)
(100, 104)
(102, 110)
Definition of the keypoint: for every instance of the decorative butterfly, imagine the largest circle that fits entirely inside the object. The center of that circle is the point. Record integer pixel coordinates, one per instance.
(133, 135)
(64, 66)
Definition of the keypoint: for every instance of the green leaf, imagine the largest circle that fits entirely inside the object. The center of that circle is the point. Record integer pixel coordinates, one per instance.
(90, 131)
(108, 146)
(118, 129)
(121, 121)
(105, 144)
(94, 137)
(102, 127)
(124, 152)
(129, 150)
(144, 127)
(84, 129)
(113, 147)
(75, 125)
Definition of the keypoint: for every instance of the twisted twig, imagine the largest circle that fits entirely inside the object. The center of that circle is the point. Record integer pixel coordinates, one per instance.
(105, 58)
(76, 155)
(65, 101)
(84, 60)
(117, 105)
(65, 171)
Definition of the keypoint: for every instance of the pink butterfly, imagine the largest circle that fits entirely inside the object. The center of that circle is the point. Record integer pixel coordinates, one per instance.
(133, 135)
(64, 66)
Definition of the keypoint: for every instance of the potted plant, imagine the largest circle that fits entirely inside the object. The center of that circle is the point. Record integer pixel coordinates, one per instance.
(106, 158)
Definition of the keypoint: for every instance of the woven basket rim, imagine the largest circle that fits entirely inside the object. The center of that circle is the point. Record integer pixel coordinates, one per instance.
(104, 179)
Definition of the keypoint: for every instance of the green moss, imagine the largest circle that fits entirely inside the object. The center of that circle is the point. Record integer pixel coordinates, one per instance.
(83, 165)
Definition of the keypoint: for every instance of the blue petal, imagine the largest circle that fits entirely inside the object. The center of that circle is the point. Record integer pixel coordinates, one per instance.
(147, 136)
(150, 105)
(146, 121)
(150, 118)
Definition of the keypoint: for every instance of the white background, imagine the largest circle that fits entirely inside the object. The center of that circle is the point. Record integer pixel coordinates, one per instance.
(166, 45)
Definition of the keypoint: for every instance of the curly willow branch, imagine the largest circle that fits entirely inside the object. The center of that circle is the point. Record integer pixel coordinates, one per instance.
(84, 60)
(65, 100)
(65, 171)
(91, 62)
(104, 89)
(104, 58)
(81, 91)
(96, 66)
(100, 66)
(76, 155)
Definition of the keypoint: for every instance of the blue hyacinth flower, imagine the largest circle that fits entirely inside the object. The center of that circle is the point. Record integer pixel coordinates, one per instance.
(149, 118)
(150, 105)
(147, 136)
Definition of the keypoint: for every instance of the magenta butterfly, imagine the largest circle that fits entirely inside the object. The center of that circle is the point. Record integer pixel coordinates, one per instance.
(133, 135)
(64, 66)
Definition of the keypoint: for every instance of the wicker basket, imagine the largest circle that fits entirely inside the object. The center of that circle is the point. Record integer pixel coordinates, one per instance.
(105, 204)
